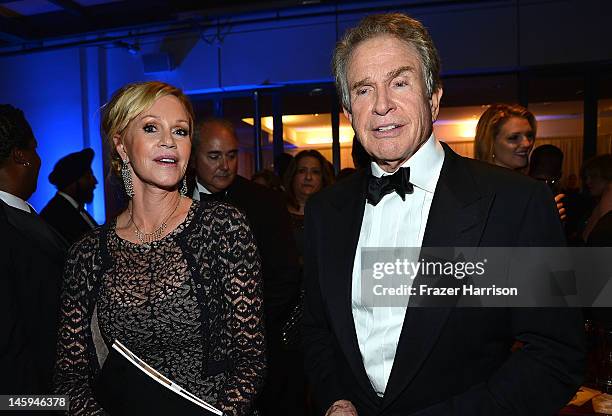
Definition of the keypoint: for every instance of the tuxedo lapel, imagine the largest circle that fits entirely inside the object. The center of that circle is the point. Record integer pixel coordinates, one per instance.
(90, 218)
(457, 217)
(348, 205)
(459, 210)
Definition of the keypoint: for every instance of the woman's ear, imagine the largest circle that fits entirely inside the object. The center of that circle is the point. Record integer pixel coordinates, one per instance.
(119, 147)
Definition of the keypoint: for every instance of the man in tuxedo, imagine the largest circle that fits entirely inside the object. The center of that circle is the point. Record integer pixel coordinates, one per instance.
(365, 360)
(31, 261)
(75, 183)
(215, 159)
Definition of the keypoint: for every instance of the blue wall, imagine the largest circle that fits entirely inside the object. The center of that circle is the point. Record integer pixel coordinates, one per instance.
(47, 87)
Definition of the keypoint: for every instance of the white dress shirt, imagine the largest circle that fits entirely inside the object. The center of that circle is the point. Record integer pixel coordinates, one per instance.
(76, 206)
(16, 202)
(392, 223)
(199, 188)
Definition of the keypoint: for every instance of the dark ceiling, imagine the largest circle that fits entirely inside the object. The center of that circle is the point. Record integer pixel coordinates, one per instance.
(26, 22)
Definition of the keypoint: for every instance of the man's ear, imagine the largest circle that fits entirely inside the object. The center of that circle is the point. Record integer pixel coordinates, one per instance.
(19, 156)
(434, 104)
(348, 114)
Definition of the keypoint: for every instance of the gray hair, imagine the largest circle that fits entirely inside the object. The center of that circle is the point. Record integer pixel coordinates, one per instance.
(398, 25)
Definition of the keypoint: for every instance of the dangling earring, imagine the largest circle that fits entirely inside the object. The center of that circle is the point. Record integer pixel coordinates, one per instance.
(183, 190)
(127, 178)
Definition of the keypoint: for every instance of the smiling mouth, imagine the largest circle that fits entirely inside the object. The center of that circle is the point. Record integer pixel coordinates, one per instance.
(169, 161)
(387, 128)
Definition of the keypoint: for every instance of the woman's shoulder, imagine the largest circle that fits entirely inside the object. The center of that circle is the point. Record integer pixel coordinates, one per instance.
(88, 244)
(213, 213)
(83, 263)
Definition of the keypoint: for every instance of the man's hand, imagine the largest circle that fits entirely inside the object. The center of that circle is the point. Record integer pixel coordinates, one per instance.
(341, 408)
(560, 208)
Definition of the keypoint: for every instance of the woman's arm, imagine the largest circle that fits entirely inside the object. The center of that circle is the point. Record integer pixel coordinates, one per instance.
(76, 363)
(240, 261)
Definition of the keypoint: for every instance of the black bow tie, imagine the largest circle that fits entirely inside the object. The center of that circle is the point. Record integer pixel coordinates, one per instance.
(217, 196)
(398, 182)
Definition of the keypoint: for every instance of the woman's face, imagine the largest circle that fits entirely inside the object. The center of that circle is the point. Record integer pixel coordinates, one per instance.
(513, 144)
(308, 177)
(157, 142)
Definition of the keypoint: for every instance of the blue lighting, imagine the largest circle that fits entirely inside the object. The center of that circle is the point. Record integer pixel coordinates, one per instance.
(47, 87)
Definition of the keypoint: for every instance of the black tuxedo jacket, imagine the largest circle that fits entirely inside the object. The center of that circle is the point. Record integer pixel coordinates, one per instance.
(267, 214)
(449, 361)
(31, 262)
(65, 218)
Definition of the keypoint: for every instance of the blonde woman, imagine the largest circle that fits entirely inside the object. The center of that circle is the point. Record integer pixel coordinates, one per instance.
(176, 282)
(505, 135)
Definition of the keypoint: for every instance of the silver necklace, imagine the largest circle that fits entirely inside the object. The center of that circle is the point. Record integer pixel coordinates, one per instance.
(147, 238)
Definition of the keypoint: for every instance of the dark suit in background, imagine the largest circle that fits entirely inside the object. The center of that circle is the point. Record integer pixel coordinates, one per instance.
(449, 361)
(66, 219)
(75, 182)
(31, 262)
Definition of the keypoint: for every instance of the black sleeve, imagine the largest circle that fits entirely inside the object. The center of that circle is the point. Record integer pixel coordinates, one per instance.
(543, 375)
(13, 358)
(28, 310)
(318, 337)
(77, 364)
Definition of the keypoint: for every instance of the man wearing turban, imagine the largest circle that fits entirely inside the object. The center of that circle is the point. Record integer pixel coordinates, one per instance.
(75, 182)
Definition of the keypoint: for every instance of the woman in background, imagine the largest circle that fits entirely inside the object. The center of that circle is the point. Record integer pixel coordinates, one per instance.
(178, 283)
(505, 135)
(306, 175)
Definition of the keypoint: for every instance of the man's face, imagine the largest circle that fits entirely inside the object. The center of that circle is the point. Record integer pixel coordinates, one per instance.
(390, 110)
(216, 159)
(85, 187)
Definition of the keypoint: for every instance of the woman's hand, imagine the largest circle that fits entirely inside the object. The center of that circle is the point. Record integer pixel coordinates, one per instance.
(560, 207)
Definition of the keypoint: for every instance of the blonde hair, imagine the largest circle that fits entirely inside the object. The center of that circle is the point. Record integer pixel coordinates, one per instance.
(129, 101)
(402, 27)
(490, 123)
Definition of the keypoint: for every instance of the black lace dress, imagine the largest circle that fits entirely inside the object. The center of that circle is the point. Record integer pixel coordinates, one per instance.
(189, 304)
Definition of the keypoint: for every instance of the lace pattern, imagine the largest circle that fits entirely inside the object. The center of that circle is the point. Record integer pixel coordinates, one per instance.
(190, 305)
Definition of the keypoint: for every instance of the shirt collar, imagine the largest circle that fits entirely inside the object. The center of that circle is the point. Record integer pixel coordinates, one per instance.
(425, 165)
(70, 199)
(199, 188)
(16, 202)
